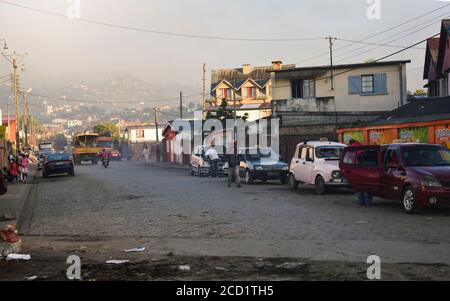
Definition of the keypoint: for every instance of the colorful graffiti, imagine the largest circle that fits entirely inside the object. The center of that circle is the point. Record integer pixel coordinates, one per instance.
(417, 135)
(357, 136)
(443, 137)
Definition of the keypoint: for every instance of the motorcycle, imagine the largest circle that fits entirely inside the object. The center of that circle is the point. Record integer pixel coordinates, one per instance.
(105, 162)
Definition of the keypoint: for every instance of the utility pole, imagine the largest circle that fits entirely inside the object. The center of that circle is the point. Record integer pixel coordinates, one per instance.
(330, 41)
(181, 105)
(156, 124)
(9, 122)
(15, 59)
(25, 119)
(204, 90)
(235, 120)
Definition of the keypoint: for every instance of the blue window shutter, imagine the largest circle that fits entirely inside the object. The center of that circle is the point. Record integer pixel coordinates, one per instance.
(354, 85)
(380, 83)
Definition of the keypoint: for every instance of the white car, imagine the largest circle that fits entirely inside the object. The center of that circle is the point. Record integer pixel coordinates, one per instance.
(317, 163)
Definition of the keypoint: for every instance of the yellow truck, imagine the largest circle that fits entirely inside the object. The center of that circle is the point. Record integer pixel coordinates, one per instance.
(84, 148)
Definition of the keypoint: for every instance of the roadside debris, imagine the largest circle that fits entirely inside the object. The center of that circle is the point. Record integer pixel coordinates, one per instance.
(9, 234)
(290, 265)
(10, 242)
(24, 257)
(136, 250)
(184, 268)
(362, 222)
(117, 261)
(8, 217)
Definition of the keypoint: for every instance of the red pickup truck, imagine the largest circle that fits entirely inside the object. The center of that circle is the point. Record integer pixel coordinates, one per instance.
(417, 175)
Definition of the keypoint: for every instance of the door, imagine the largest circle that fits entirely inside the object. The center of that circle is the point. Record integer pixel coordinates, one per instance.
(307, 165)
(361, 167)
(393, 176)
(295, 163)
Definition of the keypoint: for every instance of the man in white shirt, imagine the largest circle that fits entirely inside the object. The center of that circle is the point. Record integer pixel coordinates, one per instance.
(213, 158)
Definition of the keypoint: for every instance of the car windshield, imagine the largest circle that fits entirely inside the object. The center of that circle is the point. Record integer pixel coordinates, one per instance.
(46, 147)
(60, 157)
(105, 144)
(426, 156)
(329, 152)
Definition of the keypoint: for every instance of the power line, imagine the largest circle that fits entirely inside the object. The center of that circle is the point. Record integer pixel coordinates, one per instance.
(166, 33)
(391, 41)
(376, 34)
(110, 102)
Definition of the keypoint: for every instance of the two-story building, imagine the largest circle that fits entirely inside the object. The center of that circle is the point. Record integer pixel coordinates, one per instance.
(437, 63)
(251, 87)
(313, 102)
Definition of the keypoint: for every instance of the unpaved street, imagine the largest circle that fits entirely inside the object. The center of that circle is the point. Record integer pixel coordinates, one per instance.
(178, 218)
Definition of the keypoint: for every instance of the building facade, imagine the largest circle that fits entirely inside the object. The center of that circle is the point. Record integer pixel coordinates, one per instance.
(251, 87)
(313, 102)
(437, 63)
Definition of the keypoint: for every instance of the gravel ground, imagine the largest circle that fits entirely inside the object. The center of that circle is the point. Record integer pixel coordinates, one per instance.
(169, 211)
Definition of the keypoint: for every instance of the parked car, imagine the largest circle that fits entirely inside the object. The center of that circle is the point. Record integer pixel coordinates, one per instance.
(199, 164)
(317, 163)
(116, 155)
(262, 164)
(58, 164)
(417, 175)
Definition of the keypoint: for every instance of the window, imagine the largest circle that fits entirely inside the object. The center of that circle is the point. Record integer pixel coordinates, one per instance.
(391, 157)
(226, 93)
(303, 152)
(140, 134)
(269, 90)
(250, 92)
(297, 88)
(309, 89)
(350, 157)
(368, 85)
(367, 158)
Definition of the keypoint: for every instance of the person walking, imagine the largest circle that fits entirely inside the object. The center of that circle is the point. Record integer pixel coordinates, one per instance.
(364, 198)
(14, 166)
(146, 152)
(24, 168)
(233, 168)
(213, 159)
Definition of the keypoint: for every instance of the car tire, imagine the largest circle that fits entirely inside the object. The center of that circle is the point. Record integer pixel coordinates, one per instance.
(284, 180)
(320, 185)
(409, 201)
(44, 175)
(249, 177)
(72, 173)
(293, 183)
(191, 171)
(199, 172)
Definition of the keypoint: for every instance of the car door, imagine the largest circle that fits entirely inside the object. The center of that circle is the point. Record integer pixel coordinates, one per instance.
(295, 163)
(307, 165)
(361, 167)
(393, 175)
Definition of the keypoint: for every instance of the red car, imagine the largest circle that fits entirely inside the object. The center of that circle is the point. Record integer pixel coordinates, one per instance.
(417, 175)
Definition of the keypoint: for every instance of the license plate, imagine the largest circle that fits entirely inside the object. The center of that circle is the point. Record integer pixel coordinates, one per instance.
(59, 164)
(272, 174)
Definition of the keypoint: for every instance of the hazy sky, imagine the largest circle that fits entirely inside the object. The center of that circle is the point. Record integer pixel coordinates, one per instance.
(59, 48)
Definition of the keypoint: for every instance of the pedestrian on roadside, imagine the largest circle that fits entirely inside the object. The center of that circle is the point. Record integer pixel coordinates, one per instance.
(233, 168)
(14, 167)
(213, 158)
(364, 197)
(146, 152)
(24, 168)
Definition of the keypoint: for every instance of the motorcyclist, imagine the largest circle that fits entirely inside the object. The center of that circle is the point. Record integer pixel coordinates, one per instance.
(104, 155)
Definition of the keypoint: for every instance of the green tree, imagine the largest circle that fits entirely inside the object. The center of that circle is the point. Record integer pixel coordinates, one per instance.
(223, 113)
(107, 130)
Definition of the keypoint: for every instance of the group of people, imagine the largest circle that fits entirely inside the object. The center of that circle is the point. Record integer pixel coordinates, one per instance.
(18, 168)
